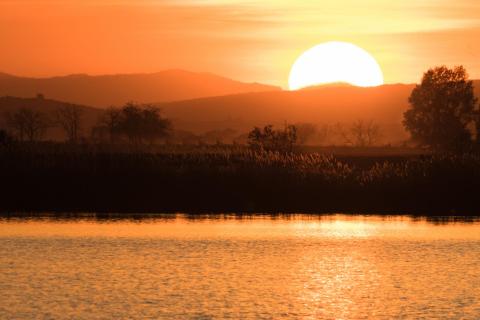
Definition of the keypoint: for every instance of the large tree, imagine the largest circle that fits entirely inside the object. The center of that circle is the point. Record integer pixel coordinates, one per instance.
(442, 107)
(141, 123)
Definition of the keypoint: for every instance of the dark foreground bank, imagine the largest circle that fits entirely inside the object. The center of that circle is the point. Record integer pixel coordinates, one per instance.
(237, 181)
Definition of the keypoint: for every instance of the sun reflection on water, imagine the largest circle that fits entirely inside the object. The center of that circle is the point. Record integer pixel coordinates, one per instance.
(305, 267)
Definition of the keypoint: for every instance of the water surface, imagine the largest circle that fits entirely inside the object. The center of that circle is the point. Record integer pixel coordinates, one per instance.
(260, 267)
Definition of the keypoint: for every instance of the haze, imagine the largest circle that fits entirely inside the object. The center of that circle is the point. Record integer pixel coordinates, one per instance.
(242, 40)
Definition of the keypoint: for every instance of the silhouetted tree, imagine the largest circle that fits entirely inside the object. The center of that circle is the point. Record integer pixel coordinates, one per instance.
(154, 126)
(360, 134)
(131, 123)
(27, 124)
(273, 140)
(442, 108)
(110, 121)
(142, 123)
(69, 119)
(365, 134)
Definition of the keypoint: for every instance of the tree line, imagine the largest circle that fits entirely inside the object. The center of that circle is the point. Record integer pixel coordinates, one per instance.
(143, 124)
(359, 134)
(135, 123)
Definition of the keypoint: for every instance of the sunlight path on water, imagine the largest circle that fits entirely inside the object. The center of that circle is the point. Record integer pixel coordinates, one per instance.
(282, 267)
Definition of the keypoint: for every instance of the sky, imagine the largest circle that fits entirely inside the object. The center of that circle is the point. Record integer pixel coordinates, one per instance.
(254, 41)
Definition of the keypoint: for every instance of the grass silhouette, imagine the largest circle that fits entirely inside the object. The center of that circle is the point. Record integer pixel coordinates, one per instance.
(228, 179)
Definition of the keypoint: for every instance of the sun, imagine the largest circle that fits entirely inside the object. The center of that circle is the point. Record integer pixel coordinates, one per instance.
(335, 62)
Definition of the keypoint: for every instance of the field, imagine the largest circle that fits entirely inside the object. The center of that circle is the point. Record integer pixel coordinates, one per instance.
(222, 179)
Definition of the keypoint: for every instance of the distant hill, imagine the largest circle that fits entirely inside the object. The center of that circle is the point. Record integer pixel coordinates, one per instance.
(321, 105)
(89, 115)
(107, 90)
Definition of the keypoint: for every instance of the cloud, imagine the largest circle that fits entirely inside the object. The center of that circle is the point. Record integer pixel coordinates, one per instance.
(352, 16)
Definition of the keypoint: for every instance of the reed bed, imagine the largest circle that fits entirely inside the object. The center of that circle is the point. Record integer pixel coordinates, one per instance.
(221, 179)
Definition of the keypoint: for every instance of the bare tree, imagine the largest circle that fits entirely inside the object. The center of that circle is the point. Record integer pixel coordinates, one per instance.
(343, 133)
(27, 124)
(69, 119)
(360, 134)
(373, 133)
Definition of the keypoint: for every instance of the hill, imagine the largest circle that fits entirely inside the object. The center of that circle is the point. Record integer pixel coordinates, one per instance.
(321, 105)
(89, 115)
(107, 90)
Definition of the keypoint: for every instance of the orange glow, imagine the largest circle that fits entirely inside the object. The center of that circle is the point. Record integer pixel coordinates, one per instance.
(244, 40)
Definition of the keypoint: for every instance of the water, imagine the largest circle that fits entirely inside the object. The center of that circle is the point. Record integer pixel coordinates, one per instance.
(299, 267)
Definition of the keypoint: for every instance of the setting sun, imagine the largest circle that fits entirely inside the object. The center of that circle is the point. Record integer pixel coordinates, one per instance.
(335, 62)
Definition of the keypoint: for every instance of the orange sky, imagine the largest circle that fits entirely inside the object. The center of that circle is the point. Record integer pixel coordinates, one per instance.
(245, 40)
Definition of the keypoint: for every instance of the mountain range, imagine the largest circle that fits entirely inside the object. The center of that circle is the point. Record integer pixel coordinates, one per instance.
(115, 90)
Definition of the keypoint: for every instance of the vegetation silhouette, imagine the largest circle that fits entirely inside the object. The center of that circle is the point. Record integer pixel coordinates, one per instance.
(137, 123)
(69, 119)
(235, 179)
(109, 123)
(27, 124)
(360, 134)
(443, 106)
(275, 171)
(273, 140)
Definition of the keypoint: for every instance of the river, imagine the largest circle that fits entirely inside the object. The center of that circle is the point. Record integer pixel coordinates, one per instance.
(239, 267)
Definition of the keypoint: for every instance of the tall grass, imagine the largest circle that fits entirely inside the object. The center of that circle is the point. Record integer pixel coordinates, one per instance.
(230, 179)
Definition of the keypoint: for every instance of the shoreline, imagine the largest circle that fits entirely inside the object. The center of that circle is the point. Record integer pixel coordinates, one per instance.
(100, 217)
